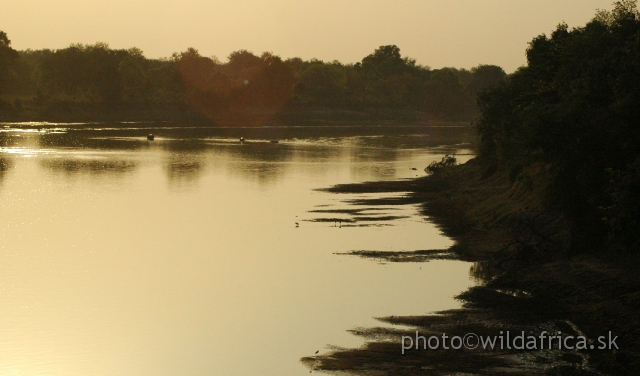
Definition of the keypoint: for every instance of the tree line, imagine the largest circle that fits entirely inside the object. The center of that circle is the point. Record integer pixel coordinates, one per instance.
(85, 81)
(571, 118)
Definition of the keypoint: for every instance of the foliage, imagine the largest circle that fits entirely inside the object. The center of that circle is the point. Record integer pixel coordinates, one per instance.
(447, 160)
(574, 108)
(8, 57)
(246, 88)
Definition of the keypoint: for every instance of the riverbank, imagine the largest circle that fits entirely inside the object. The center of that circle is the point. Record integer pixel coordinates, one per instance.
(529, 282)
(69, 111)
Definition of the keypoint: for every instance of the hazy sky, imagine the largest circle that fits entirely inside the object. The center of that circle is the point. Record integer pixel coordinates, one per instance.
(437, 33)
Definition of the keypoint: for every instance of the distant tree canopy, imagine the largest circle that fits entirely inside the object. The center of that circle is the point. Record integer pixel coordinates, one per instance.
(8, 57)
(246, 89)
(96, 73)
(575, 109)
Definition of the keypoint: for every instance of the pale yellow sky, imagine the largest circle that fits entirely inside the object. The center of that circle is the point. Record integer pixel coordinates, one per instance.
(437, 33)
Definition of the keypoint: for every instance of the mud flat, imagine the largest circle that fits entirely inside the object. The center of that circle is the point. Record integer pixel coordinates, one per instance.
(529, 283)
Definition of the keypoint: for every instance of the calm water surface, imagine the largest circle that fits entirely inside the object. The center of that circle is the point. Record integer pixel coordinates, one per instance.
(181, 256)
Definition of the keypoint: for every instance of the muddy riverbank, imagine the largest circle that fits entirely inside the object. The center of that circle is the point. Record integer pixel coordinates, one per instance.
(529, 284)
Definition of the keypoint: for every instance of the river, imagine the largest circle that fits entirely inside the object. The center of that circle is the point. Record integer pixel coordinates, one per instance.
(196, 254)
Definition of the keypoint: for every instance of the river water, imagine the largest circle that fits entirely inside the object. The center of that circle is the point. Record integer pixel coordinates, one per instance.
(194, 254)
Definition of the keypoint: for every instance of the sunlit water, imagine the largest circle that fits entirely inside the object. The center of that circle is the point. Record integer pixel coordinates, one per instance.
(181, 256)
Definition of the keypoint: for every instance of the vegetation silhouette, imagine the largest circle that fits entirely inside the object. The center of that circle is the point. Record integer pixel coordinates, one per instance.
(245, 91)
(550, 211)
(573, 113)
(95, 82)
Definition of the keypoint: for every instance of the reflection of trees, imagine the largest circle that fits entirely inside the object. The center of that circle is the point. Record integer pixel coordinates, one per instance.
(452, 136)
(318, 159)
(97, 166)
(6, 140)
(184, 161)
(88, 139)
(263, 162)
(264, 152)
(5, 165)
(185, 153)
(373, 163)
(183, 168)
(266, 163)
(481, 272)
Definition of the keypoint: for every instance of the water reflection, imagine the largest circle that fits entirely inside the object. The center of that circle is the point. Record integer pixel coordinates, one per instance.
(368, 161)
(107, 268)
(89, 140)
(184, 164)
(92, 166)
(482, 272)
(5, 166)
(372, 153)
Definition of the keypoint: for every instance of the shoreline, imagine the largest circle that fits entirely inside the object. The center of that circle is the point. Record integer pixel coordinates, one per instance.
(186, 124)
(499, 222)
(86, 112)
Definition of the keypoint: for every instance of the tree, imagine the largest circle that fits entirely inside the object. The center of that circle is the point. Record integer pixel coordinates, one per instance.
(485, 77)
(445, 96)
(573, 109)
(86, 72)
(323, 83)
(385, 61)
(133, 78)
(8, 57)
(247, 90)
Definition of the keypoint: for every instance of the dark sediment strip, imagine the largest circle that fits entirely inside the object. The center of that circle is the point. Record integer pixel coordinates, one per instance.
(331, 220)
(347, 211)
(404, 200)
(381, 218)
(382, 353)
(405, 185)
(359, 219)
(529, 284)
(412, 256)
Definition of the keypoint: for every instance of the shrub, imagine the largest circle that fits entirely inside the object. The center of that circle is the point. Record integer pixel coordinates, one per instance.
(447, 160)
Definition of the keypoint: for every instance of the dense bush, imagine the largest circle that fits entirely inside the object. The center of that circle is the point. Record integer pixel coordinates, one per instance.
(574, 108)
